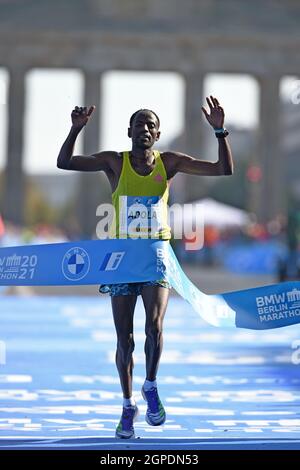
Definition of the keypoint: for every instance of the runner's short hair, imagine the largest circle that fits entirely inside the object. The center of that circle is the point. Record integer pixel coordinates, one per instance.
(144, 110)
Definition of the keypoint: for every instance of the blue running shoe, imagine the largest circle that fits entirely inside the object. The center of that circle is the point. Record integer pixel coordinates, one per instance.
(155, 415)
(125, 429)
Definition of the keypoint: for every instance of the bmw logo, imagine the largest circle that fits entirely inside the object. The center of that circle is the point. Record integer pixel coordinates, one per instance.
(75, 264)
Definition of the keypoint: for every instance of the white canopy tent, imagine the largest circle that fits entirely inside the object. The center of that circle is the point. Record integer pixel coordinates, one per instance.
(213, 213)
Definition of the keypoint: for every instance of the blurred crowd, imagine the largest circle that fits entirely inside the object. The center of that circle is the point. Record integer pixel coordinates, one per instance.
(255, 248)
(13, 235)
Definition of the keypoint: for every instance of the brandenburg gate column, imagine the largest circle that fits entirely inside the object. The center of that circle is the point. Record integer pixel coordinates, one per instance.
(270, 199)
(194, 124)
(89, 188)
(14, 189)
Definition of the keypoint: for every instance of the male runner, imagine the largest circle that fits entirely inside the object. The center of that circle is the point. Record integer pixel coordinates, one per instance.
(141, 178)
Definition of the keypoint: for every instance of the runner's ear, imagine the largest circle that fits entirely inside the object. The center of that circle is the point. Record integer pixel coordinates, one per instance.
(129, 132)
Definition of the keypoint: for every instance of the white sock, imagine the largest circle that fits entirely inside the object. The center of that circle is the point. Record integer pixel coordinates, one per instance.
(128, 402)
(149, 384)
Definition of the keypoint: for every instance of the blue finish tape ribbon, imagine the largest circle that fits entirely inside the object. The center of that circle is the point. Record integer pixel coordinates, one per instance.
(115, 261)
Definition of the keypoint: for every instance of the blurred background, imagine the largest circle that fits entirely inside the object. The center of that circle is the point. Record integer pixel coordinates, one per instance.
(58, 377)
(122, 55)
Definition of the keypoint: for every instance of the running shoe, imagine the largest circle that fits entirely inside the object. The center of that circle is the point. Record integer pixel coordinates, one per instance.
(125, 429)
(155, 415)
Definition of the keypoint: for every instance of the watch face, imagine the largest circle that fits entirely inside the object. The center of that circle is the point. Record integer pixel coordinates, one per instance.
(222, 134)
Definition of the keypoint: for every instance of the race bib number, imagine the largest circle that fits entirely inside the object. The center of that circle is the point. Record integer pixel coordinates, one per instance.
(140, 215)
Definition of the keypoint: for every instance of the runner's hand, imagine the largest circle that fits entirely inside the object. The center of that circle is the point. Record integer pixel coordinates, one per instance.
(81, 115)
(216, 116)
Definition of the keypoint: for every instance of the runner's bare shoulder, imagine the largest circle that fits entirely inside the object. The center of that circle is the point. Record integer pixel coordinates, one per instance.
(101, 161)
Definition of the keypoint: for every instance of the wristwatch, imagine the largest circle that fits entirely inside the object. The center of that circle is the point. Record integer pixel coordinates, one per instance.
(222, 132)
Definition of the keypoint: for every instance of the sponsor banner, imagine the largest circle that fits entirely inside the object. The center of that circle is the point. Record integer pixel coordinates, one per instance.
(82, 263)
(114, 261)
(266, 307)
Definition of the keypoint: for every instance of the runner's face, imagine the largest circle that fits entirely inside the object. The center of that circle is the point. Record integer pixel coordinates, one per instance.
(144, 130)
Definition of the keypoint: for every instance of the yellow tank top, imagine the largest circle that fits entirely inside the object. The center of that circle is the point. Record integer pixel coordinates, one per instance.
(140, 203)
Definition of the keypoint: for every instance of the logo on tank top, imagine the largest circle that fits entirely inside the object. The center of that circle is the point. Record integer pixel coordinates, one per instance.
(158, 178)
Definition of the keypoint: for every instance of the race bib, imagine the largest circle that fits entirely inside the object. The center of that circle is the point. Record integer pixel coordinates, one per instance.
(140, 215)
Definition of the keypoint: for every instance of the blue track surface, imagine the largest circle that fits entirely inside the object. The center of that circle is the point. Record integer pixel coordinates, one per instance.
(222, 388)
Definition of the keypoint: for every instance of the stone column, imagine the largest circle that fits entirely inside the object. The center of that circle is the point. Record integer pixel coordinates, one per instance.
(89, 190)
(194, 128)
(193, 112)
(270, 198)
(14, 181)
